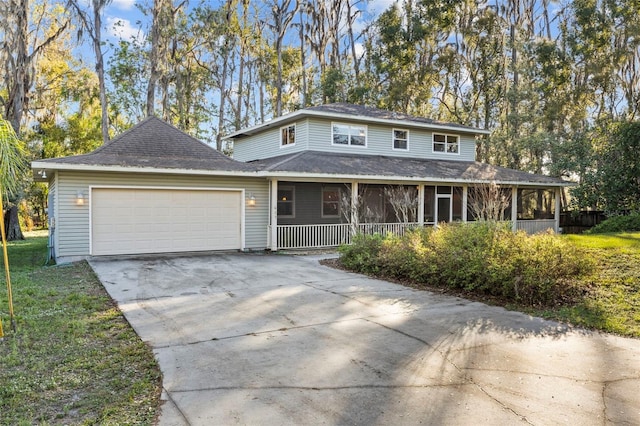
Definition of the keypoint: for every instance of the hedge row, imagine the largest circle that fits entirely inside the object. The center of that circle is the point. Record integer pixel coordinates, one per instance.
(484, 258)
(628, 223)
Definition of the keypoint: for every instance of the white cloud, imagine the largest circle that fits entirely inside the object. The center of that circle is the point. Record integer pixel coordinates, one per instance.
(370, 13)
(121, 28)
(123, 4)
(376, 7)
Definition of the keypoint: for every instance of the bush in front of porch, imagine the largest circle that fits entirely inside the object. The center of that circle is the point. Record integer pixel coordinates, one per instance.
(484, 258)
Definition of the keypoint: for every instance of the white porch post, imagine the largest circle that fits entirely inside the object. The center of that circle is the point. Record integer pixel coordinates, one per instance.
(465, 196)
(421, 205)
(273, 221)
(354, 206)
(514, 208)
(556, 213)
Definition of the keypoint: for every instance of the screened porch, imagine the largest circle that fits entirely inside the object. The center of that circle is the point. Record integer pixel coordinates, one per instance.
(306, 215)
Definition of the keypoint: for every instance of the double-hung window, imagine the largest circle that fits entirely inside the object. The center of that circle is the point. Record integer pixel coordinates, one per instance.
(400, 139)
(288, 135)
(349, 134)
(330, 202)
(286, 201)
(445, 143)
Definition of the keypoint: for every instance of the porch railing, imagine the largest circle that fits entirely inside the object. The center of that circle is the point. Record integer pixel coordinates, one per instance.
(535, 226)
(321, 236)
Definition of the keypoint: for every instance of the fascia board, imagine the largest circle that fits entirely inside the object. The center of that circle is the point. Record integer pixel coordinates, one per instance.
(314, 177)
(293, 176)
(36, 165)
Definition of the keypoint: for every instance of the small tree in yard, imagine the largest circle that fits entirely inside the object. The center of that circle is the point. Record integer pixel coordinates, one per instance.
(404, 201)
(488, 202)
(12, 163)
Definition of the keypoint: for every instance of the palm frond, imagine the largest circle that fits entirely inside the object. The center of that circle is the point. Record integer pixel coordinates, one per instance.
(12, 159)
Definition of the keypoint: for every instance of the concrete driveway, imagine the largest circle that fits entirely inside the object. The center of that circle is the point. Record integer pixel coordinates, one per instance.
(275, 339)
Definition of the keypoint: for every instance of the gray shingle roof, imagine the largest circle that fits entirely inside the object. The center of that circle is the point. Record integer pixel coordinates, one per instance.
(327, 163)
(156, 144)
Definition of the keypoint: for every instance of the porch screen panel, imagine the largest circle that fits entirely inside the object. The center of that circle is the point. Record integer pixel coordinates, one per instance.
(457, 203)
(429, 203)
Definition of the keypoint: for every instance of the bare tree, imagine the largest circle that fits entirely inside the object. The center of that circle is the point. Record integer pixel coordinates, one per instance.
(282, 13)
(92, 23)
(163, 21)
(18, 60)
(488, 201)
(404, 201)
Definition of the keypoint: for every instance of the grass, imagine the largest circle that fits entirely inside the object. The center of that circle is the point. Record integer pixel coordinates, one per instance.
(612, 303)
(74, 358)
(610, 297)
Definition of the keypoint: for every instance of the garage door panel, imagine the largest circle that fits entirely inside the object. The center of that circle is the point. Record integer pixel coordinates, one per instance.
(157, 220)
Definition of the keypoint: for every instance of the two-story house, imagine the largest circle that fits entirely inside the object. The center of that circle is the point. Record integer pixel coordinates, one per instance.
(307, 179)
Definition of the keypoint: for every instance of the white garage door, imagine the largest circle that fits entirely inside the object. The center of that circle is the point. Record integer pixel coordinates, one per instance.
(132, 221)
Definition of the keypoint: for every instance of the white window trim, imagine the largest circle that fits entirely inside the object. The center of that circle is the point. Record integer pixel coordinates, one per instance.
(293, 202)
(393, 139)
(445, 152)
(329, 188)
(295, 132)
(363, 126)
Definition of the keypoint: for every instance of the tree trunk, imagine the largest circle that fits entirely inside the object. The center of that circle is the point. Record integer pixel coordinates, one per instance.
(98, 6)
(12, 224)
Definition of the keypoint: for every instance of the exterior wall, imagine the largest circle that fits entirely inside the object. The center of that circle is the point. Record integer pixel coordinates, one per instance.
(308, 204)
(52, 212)
(380, 142)
(267, 143)
(72, 223)
(315, 134)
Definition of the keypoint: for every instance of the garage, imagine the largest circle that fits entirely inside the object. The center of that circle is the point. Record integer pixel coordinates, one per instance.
(143, 220)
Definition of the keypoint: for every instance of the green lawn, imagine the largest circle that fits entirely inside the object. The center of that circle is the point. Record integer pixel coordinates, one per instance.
(613, 301)
(74, 358)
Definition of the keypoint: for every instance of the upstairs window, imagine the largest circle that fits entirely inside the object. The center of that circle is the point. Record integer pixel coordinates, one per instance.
(330, 202)
(445, 143)
(349, 134)
(286, 201)
(288, 135)
(400, 139)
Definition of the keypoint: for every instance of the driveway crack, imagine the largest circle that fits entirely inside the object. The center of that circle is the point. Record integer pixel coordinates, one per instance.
(454, 365)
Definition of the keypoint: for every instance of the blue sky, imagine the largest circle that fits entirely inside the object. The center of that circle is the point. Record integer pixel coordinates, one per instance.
(121, 17)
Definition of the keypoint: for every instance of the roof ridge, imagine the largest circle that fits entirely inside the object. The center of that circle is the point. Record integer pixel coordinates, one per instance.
(285, 160)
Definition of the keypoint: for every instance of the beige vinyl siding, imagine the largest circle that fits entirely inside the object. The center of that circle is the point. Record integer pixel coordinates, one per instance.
(266, 144)
(73, 220)
(380, 142)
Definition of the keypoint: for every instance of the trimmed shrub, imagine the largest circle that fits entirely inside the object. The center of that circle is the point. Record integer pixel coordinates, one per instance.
(628, 223)
(483, 258)
(362, 254)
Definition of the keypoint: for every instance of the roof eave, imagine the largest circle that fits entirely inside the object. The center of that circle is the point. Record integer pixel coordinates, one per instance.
(417, 179)
(49, 167)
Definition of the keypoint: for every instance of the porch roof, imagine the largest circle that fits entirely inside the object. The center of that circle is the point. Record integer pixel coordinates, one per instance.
(315, 164)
